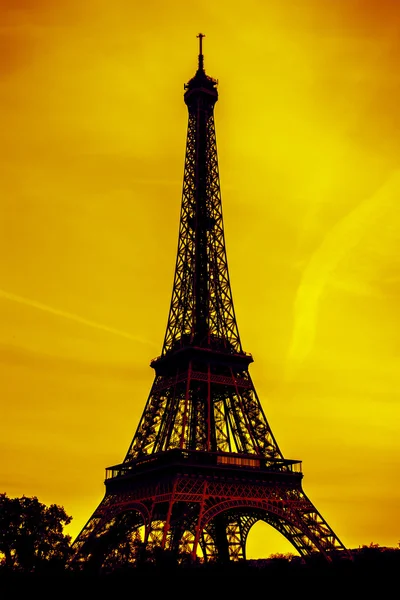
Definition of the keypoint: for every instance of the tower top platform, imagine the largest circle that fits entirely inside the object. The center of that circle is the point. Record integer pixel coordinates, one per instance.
(201, 82)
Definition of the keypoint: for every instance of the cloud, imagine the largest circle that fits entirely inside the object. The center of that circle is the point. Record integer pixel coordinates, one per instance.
(73, 317)
(337, 243)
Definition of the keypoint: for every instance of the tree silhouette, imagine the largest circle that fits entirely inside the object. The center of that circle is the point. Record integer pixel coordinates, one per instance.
(31, 534)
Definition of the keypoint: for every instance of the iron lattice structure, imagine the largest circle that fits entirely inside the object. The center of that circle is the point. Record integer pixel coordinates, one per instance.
(203, 465)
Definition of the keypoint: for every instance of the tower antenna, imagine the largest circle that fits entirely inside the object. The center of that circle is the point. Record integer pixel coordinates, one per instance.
(201, 57)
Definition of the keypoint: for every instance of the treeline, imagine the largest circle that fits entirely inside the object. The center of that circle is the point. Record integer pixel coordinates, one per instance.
(34, 550)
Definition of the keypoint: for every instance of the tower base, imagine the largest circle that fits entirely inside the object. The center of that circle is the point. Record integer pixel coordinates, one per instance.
(200, 506)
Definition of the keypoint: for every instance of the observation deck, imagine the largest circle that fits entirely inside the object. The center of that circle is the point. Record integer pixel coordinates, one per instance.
(198, 462)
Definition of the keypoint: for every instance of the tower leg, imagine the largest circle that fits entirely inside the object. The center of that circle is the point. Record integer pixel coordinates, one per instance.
(236, 539)
(167, 524)
(221, 540)
(198, 531)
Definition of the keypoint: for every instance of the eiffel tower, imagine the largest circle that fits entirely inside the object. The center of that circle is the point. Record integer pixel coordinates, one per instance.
(203, 466)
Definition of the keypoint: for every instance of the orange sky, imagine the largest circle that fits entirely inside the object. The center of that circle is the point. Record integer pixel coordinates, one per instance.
(92, 151)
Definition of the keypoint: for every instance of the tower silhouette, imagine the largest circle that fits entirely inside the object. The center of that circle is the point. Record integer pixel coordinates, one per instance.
(203, 466)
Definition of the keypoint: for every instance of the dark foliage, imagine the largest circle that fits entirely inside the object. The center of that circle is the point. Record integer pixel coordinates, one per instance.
(31, 535)
(372, 573)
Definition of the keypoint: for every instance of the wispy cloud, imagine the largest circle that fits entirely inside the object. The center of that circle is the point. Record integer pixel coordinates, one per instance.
(72, 317)
(338, 242)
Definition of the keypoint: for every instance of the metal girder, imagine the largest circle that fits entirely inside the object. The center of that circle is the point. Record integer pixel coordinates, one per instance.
(205, 411)
(201, 240)
(186, 511)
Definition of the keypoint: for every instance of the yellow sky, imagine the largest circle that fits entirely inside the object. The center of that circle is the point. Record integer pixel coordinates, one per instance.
(92, 151)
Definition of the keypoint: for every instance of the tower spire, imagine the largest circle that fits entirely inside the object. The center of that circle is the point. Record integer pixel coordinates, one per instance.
(201, 57)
